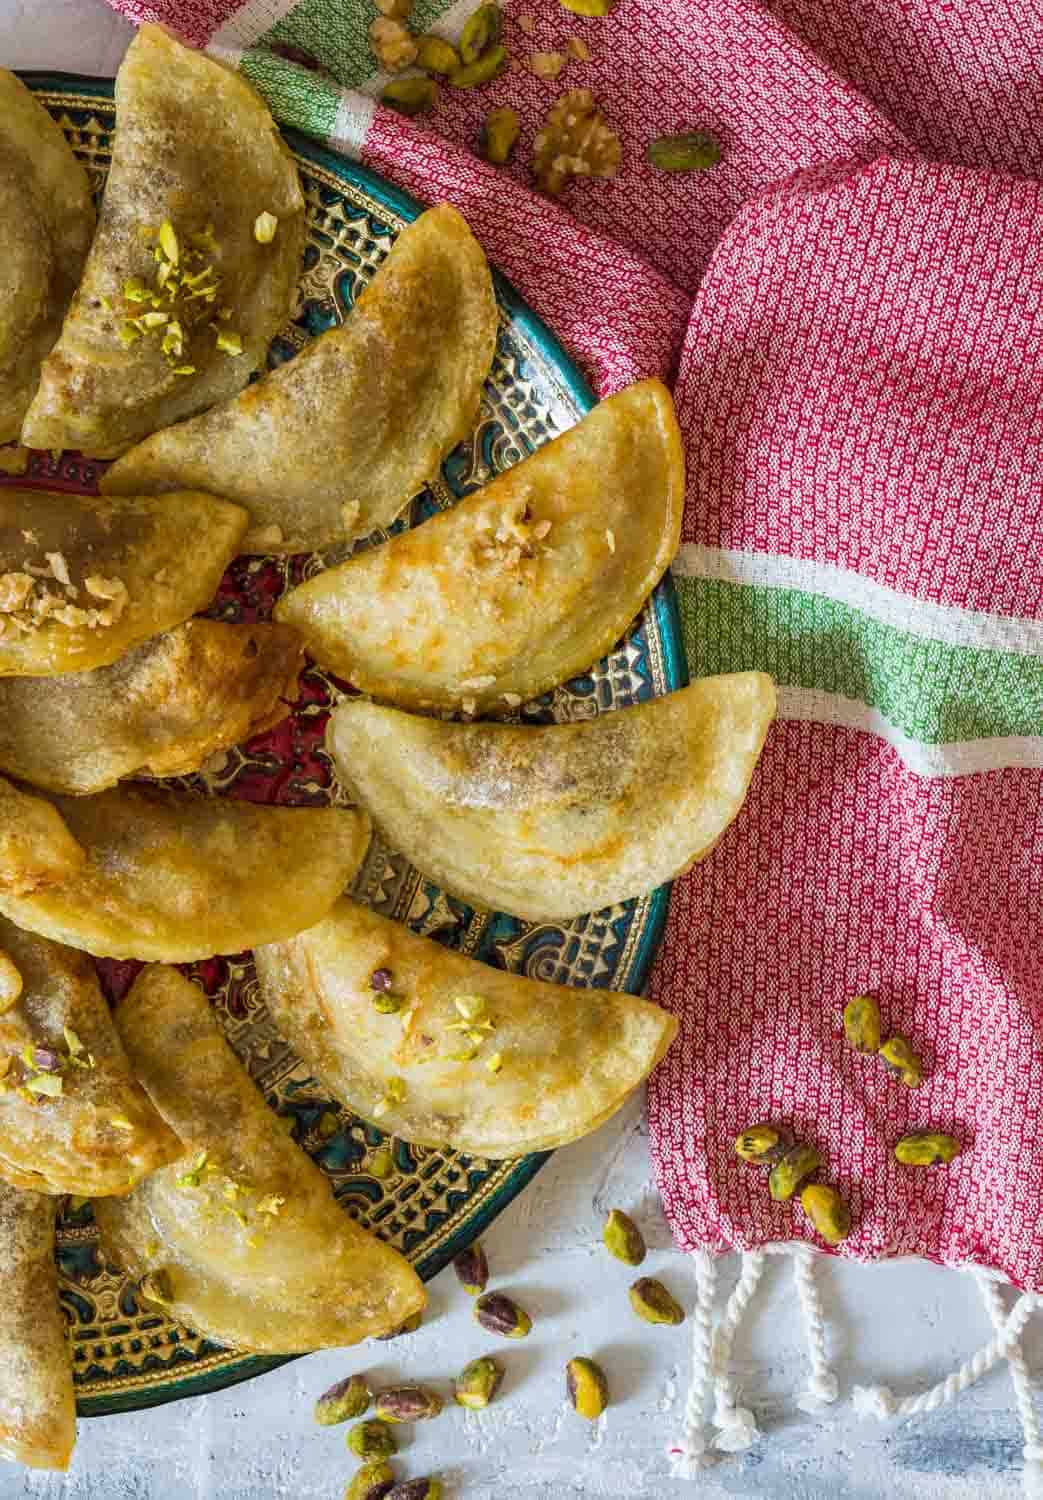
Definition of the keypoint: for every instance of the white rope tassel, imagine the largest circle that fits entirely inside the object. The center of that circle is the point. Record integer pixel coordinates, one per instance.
(878, 1401)
(736, 1425)
(1032, 1452)
(822, 1387)
(688, 1455)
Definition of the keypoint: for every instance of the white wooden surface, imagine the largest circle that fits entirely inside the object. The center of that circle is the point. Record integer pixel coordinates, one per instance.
(906, 1324)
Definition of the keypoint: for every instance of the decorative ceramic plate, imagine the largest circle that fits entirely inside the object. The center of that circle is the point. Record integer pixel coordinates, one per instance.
(436, 1202)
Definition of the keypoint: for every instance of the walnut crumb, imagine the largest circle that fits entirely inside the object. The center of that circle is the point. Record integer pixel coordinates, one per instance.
(512, 700)
(393, 46)
(30, 538)
(541, 529)
(15, 589)
(575, 142)
(527, 23)
(59, 567)
(547, 64)
(577, 48)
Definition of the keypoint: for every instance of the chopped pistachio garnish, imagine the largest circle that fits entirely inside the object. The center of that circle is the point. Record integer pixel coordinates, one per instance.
(394, 1093)
(468, 1054)
(232, 1190)
(193, 1177)
(128, 333)
(495, 1062)
(183, 369)
(230, 342)
(239, 1217)
(471, 1007)
(168, 242)
(45, 1083)
(271, 1203)
(265, 226)
(135, 290)
(205, 240)
(72, 1041)
(121, 1122)
(476, 1037)
(173, 339)
(150, 320)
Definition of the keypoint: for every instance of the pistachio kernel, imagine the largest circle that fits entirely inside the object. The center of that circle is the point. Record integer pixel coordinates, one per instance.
(477, 1383)
(481, 31)
(417, 1489)
(408, 1403)
(168, 242)
(500, 1314)
(787, 1174)
(901, 1060)
(623, 1239)
(374, 1482)
(344, 1401)
(586, 1387)
(694, 152)
(411, 96)
(489, 66)
(862, 1024)
(436, 56)
(499, 136)
(472, 1269)
(230, 342)
(387, 1003)
(926, 1148)
(762, 1144)
(827, 1211)
(372, 1440)
(652, 1302)
(265, 226)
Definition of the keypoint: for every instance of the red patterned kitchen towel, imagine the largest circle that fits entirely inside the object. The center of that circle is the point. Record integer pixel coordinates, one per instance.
(859, 379)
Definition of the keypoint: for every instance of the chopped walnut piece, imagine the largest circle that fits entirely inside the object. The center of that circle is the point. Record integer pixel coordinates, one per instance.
(59, 567)
(512, 700)
(547, 64)
(398, 10)
(393, 46)
(469, 708)
(112, 589)
(527, 23)
(574, 142)
(31, 538)
(576, 47)
(477, 684)
(71, 615)
(541, 529)
(15, 589)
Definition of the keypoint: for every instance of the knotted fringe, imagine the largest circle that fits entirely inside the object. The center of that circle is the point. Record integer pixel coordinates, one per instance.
(879, 1401)
(737, 1426)
(711, 1354)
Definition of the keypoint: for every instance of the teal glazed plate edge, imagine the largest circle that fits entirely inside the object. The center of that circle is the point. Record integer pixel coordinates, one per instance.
(534, 385)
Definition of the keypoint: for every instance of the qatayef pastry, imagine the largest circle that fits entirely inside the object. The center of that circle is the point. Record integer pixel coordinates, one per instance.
(474, 1058)
(160, 710)
(551, 821)
(336, 441)
(48, 219)
(36, 848)
(82, 579)
(73, 1119)
(181, 878)
(522, 584)
(194, 265)
(242, 1238)
(37, 1402)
